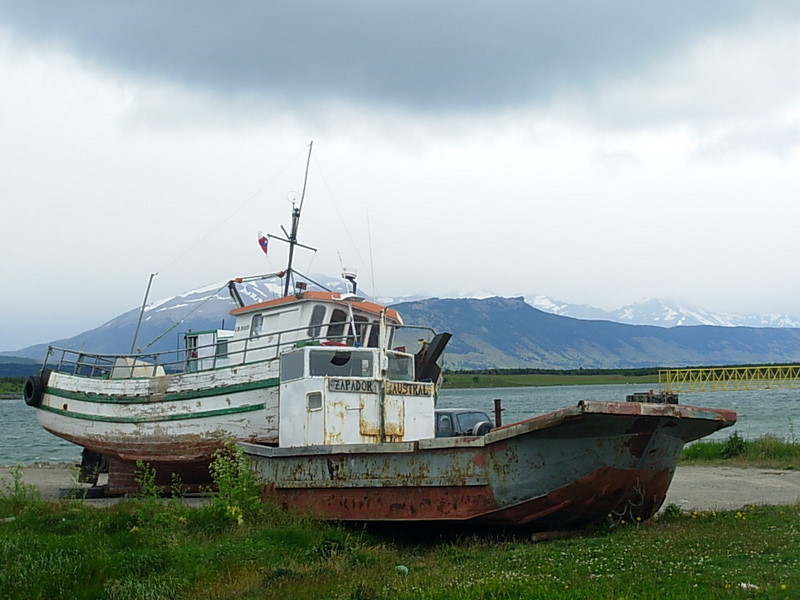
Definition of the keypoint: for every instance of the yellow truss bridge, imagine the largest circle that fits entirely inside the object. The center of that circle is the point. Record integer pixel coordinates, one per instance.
(715, 379)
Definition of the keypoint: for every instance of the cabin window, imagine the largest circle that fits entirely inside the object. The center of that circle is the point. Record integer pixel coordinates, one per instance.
(400, 367)
(317, 318)
(336, 327)
(341, 363)
(222, 349)
(314, 400)
(255, 325)
(361, 331)
(292, 364)
(374, 332)
(191, 352)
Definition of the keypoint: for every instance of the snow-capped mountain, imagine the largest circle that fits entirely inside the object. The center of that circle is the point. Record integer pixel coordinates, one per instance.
(489, 332)
(662, 313)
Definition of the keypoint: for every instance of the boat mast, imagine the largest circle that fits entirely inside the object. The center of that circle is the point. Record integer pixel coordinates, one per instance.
(141, 312)
(292, 237)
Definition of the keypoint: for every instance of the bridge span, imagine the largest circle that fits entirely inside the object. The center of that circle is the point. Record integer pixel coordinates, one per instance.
(716, 379)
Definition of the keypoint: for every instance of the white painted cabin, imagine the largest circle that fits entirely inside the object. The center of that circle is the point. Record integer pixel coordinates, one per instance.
(262, 331)
(332, 395)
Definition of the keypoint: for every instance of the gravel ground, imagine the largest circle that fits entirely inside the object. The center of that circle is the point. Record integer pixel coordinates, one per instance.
(693, 488)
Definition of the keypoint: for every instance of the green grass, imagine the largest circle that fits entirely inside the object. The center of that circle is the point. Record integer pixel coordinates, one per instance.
(233, 547)
(769, 451)
(11, 386)
(458, 380)
(132, 551)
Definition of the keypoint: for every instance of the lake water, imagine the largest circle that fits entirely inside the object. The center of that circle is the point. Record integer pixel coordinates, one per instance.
(22, 440)
(759, 411)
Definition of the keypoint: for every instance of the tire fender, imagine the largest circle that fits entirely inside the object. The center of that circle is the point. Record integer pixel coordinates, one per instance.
(33, 392)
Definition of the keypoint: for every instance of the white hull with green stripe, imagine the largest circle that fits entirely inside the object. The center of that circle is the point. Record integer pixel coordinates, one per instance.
(167, 417)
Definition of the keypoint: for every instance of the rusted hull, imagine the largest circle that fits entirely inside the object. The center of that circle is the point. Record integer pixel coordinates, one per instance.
(570, 467)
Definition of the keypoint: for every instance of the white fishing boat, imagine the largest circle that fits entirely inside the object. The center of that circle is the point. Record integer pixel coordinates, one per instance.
(174, 409)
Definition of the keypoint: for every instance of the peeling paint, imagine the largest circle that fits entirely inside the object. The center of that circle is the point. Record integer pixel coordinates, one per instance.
(570, 467)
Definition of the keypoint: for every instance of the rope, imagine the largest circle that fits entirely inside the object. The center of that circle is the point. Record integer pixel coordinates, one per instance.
(186, 316)
(230, 216)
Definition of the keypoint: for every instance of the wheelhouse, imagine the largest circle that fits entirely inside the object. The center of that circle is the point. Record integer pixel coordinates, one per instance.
(264, 330)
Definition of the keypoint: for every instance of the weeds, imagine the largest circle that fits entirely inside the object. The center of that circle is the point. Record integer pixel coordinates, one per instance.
(238, 488)
(145, 477)
(768, 451)
(16, 495)
(734, 446)
(138, 550)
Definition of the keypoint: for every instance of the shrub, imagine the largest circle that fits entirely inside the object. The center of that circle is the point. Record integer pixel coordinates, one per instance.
(238, 488)
(734, 446)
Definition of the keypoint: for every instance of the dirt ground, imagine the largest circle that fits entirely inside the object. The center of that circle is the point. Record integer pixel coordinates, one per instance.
(693, 488)
(726, 488)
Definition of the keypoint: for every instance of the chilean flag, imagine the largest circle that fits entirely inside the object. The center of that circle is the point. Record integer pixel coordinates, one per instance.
(263, 241)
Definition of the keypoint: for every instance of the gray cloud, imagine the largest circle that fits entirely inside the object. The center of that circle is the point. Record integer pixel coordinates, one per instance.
(413, 55)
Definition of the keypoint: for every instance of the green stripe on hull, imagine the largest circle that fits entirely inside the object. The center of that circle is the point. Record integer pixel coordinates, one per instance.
(154, 419)
(171, 397)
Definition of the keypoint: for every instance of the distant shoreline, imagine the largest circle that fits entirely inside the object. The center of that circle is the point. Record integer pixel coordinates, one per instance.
(10, 396)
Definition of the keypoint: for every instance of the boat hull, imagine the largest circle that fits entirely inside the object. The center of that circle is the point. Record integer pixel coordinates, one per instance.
(570, 467)
(181, 418)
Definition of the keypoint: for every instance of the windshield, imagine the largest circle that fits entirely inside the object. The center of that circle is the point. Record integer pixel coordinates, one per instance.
(341, 363)
(400, 367)
(466, 421)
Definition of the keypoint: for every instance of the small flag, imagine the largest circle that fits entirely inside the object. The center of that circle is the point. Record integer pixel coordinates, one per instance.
(263, 241)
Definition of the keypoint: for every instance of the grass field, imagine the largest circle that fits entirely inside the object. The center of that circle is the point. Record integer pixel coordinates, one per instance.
(483, 380)
(136, 551)
(237, 547)
(766, 452)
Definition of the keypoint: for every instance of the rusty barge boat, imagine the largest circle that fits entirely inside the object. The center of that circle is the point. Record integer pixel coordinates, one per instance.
(360, 461)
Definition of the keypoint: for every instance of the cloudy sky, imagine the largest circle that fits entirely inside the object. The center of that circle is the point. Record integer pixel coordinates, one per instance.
(597, 152)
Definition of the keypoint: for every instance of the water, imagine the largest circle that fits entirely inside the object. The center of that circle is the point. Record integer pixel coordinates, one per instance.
(759, 411)
(22, 440)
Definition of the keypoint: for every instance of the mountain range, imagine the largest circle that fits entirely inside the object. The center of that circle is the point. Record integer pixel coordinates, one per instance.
(510, 333)
(521, 332)
(662, 313)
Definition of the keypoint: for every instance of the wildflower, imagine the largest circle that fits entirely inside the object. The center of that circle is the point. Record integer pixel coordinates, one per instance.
(784, 586)
(236, 513)
(748, 586)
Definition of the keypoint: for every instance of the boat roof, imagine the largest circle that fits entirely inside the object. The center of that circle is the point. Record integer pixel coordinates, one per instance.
(335, 297)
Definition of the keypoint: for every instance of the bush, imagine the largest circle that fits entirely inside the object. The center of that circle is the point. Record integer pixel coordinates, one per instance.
(238, 488)
(734, 446)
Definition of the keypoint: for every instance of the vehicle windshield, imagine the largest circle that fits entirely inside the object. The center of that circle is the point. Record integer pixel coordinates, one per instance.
(466, 421)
